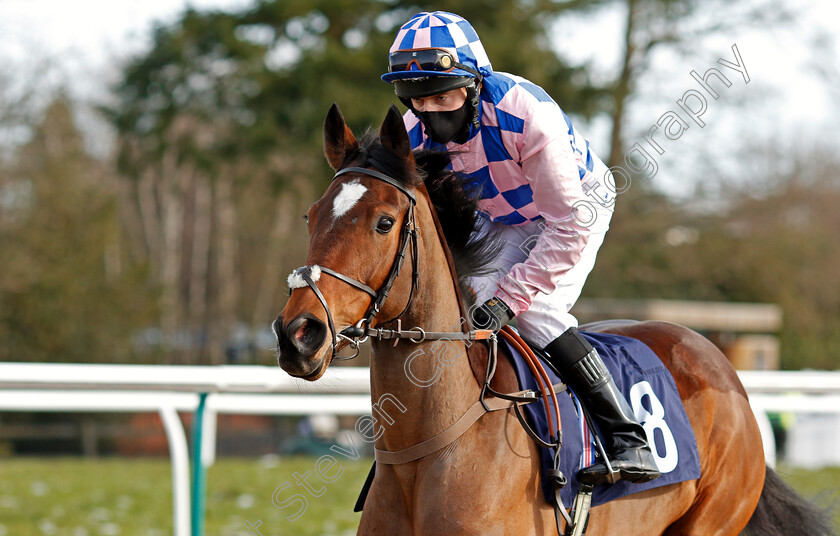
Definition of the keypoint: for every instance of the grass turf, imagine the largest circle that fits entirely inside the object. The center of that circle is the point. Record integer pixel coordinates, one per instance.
(128, 497)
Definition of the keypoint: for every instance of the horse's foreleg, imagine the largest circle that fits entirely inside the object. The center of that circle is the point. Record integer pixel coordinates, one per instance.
(385, 509)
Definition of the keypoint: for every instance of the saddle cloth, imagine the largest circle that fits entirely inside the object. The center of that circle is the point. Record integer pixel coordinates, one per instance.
(649, 388)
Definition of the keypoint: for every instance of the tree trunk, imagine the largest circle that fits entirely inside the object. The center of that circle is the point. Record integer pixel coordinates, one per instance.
(623, 88)
(174, 179)
(150, 216)
(200, 259)
(131, 220)
(271, 276)
(228, 289)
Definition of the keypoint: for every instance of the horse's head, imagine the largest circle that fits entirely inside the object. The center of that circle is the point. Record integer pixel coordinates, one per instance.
(358, 232)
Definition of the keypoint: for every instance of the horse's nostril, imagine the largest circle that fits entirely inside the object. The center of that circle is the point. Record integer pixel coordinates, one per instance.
(301, 332)
(307, 334)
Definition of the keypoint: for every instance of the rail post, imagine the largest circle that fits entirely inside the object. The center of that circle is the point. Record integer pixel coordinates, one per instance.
(198, 482)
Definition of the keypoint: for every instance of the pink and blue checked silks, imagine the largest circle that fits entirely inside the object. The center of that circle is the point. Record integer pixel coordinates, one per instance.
(526, 161)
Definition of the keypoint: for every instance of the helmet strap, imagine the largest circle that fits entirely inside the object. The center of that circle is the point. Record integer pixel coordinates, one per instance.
(474, 100)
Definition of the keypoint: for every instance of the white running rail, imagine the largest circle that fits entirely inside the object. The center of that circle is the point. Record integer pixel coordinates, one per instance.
(268, 390)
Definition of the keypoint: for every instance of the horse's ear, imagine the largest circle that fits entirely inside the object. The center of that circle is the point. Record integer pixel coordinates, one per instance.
(339, 141)
(392, 133)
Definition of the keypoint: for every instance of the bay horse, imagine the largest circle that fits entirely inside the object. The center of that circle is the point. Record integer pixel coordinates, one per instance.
(387, 208)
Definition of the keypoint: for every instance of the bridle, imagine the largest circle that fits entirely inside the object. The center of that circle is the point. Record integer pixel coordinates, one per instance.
(408, 236)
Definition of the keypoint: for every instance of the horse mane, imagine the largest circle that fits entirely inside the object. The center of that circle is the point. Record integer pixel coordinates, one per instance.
(456, 205)
(457, 209)
(371, 153)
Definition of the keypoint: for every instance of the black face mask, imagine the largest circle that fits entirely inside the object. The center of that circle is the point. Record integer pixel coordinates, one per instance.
(444, 127)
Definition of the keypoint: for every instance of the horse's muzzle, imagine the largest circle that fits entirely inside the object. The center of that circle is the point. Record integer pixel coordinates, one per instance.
(298, 343)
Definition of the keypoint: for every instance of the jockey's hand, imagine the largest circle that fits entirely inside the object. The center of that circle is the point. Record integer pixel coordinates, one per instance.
(493, 314)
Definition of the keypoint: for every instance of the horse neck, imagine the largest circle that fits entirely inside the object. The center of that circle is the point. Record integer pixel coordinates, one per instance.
(418, 390)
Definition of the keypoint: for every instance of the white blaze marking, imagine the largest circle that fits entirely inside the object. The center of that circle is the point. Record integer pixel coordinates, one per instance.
(347, 198)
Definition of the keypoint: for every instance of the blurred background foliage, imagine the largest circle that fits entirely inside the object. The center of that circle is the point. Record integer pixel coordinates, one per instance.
(175, 248)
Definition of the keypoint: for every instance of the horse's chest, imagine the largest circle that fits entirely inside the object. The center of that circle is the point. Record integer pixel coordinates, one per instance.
(483, 484)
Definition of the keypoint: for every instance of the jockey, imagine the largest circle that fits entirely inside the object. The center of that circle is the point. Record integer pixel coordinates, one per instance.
(541, 190)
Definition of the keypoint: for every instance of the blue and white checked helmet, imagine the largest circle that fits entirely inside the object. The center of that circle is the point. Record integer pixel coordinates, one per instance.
(434, 53)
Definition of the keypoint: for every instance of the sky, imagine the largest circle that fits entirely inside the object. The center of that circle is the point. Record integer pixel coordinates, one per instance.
(786, 104)
(785, 99)
(91, 30)
(781, 58)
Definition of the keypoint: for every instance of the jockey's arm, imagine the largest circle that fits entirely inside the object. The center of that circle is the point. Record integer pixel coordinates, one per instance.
(549, 163)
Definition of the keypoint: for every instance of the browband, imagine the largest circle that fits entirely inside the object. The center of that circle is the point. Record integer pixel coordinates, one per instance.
(381, 176)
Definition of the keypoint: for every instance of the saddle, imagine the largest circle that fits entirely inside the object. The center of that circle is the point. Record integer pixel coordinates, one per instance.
(652, 393)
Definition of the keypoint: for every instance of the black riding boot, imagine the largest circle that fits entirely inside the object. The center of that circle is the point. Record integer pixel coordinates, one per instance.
(583, 370)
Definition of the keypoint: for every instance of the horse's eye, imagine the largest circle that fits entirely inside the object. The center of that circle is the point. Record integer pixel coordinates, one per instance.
(384, 225)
